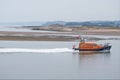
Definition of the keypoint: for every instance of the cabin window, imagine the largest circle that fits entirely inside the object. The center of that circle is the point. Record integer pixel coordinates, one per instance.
(91, 44)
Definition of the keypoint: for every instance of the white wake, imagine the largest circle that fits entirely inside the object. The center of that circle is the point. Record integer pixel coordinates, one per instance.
(54, 50)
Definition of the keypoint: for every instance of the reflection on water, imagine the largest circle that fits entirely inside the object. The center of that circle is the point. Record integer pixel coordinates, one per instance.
(91, 58)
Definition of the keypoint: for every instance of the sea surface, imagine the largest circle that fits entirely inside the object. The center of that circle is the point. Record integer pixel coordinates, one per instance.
(57, 60)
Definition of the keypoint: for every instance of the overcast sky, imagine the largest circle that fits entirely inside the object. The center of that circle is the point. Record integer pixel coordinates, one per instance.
(52, 10)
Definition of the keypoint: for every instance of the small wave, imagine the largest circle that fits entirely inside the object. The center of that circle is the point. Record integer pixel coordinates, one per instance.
(55, 50)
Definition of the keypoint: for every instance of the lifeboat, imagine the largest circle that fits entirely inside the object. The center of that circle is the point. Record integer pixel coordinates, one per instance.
(92, 47)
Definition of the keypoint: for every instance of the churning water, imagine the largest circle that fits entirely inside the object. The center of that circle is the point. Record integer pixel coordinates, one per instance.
(55, 50)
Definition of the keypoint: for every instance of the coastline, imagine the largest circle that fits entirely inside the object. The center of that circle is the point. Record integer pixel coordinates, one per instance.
(57, 36)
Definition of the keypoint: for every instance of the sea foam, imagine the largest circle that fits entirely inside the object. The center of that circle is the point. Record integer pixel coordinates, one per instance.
(54, 50)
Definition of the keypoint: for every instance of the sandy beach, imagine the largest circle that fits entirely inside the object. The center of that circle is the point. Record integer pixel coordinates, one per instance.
(56, 36)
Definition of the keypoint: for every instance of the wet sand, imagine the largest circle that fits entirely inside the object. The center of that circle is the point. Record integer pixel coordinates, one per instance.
(47, 36)
(108, 32)
(42, 38)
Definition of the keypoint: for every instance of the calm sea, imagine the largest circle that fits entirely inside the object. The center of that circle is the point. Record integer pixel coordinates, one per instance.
(56, 60)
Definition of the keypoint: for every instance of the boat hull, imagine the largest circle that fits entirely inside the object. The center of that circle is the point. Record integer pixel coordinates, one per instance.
(104, 49)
